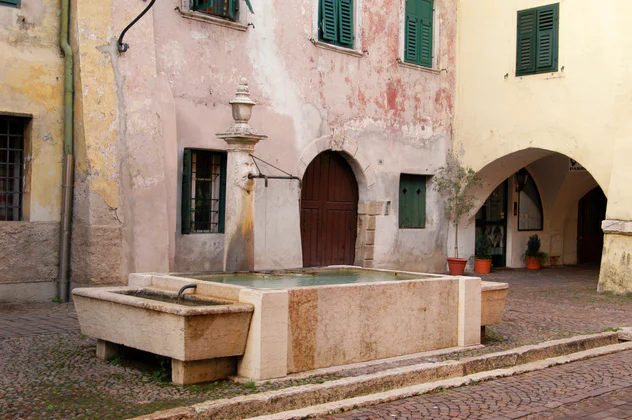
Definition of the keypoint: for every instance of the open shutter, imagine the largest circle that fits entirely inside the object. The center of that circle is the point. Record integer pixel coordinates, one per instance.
(232, 9)
(412, 32)
(425, 39)
(546, 54)
(222, 194)
(186, 193)
(346, 22)
(329, 20)
(250, 7)
(525, 59)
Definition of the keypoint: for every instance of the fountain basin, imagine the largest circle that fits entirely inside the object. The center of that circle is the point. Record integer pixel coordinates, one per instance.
(203, 340)
(340, 315)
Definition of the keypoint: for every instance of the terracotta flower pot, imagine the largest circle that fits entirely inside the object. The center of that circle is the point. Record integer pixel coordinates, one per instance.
(482, 266)
(533, 263)
(457, 266)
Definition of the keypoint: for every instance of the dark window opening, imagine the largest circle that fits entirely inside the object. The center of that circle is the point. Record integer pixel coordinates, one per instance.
(222, 8)
(11, 167)
(203, 191)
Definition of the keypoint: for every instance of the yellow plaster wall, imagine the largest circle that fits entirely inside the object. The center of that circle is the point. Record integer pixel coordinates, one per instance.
(31, 83)
(579, 111)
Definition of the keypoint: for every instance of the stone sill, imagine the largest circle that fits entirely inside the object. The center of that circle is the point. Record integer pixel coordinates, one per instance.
(202, 17)
(343, 50)
(417, 67)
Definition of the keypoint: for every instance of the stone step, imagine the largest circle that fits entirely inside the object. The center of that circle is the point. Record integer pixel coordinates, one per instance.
(296, 402)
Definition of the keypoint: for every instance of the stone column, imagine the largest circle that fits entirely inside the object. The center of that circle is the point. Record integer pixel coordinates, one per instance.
(239, 235)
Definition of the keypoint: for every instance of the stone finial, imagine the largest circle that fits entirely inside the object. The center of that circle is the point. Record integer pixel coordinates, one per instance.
(242, 107)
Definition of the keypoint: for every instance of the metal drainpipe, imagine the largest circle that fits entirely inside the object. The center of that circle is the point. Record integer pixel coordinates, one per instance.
(68, 174)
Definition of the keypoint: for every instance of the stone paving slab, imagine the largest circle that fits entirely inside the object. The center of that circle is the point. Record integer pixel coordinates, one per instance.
(52, 365)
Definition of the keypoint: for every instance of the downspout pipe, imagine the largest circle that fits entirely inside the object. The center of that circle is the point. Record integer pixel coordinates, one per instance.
(63, 282)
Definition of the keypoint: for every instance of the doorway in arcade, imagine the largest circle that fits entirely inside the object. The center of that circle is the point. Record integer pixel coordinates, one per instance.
(491, 221)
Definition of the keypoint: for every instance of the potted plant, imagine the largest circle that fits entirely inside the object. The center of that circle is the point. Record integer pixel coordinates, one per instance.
(454, 181)
(533, 256)
(483, 256)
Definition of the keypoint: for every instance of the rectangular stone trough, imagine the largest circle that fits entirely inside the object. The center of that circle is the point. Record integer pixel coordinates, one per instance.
(202, 337)
(493, 299)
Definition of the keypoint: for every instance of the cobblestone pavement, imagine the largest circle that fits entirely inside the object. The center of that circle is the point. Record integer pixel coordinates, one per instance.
(599, 388)
(49, 370)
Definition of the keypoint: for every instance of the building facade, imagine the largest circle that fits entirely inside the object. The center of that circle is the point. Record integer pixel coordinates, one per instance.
(31, 142)
(357, 101)
(543, 93)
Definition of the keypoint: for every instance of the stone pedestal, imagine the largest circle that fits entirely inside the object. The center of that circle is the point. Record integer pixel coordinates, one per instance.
(239, 235)
(616, 261)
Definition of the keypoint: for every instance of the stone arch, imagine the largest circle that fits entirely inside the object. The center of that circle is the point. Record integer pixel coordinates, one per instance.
(349, 149)
(368, 205)
(563, 194)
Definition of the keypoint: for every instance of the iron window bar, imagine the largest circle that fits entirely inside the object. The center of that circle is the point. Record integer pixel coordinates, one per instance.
(11, 168)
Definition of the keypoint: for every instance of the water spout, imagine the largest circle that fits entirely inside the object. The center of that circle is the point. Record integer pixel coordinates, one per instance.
(183, 288)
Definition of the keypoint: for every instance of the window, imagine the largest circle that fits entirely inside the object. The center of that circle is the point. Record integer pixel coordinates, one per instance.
(418, 35)
(203, 191)
(10, 3)
(11, 167)
(529, 203)
(222, 8)
(412, 201)
(335, 22)
(537, 40)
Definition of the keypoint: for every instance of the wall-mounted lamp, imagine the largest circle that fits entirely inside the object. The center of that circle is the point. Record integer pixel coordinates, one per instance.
(522, 176)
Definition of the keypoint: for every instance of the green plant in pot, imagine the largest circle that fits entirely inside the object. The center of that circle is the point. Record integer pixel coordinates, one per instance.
(483, 255)
(533, 256)
(454, 182)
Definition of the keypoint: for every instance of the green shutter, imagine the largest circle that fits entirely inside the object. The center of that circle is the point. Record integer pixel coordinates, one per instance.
(232, 9)
(346, 22)
(537, 40)
(186, 192)
(412, 32)
(10, 3)
(546, 58)
(412, 201)
(250, 7)
(329, 20)
(222, 194)
(425, 39)
(525, 50)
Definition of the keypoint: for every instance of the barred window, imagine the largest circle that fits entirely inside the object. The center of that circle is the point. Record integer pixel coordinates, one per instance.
(203, 191)
(11, 167)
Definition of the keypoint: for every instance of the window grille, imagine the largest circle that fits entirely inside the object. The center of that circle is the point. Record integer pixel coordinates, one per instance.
(203, 185)
(11, 167)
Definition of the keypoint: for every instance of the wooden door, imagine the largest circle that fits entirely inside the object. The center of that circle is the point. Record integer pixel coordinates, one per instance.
(591, 212)
(329, 212)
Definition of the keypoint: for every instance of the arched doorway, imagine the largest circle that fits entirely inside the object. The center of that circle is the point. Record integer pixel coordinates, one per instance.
(591, 212)
(329, 211)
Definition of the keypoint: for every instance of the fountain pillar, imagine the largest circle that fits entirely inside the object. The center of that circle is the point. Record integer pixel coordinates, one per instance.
(239, 235)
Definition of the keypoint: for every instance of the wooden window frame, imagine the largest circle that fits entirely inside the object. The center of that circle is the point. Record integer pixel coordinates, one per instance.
(188, 209)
